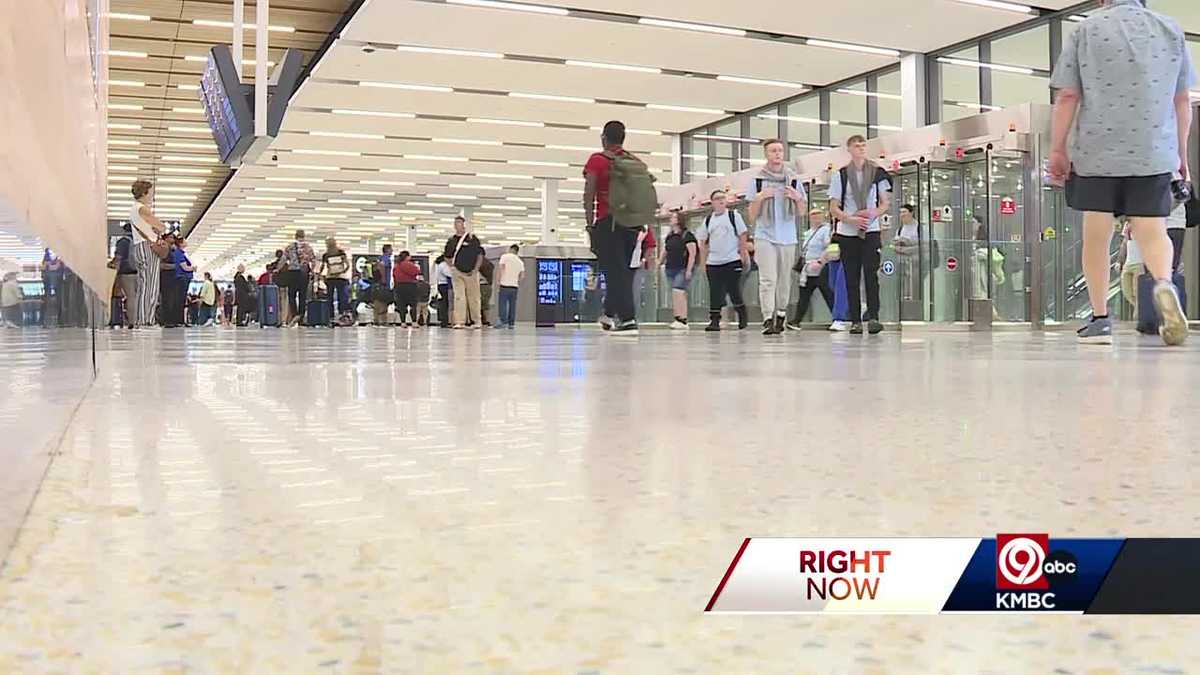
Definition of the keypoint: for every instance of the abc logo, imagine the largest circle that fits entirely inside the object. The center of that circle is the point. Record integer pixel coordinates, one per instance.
(1060, 568)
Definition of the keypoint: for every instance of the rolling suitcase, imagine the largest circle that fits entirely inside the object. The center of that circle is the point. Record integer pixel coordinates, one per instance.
(268, 306)
(317, 313)
(1148, 319)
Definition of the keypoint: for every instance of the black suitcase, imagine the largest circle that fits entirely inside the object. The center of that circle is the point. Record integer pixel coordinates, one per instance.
(317, 313)
(1148, 319)
(268, 306)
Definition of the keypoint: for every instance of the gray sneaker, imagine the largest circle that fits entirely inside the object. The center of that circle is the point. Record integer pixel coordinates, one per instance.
(1096, 332)
(1174, 328)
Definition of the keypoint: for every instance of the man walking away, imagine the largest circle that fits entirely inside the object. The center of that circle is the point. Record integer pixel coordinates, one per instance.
(615, 178)
(242, 292)
(1122, 82)
(723, 250)
(511, 272)
(127, 274)
(466, 254)
(858, 196)
(814, 274)
(776, 198)
(301, 261)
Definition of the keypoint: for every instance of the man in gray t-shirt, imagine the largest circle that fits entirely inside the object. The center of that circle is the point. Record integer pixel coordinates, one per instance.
(722, 239)
(1123, 81)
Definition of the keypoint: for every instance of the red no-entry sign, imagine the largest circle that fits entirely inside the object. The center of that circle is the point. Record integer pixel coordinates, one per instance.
(951, 263)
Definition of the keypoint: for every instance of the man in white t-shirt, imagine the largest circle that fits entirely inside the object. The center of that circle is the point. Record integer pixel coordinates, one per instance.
(511, 271)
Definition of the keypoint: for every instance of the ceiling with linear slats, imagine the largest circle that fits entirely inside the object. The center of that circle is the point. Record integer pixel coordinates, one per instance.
(426, 108)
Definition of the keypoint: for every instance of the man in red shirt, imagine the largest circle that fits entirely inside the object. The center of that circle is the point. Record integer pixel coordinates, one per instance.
(612, 243)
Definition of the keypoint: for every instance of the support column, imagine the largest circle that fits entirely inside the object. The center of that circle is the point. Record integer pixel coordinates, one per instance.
(914, 90)
(260, 68)
(239, 14)
(550, 211)
(677, 159)
(410, 237)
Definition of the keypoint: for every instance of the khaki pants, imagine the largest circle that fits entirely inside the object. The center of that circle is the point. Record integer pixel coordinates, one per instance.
(1129, 277)
(466, 297)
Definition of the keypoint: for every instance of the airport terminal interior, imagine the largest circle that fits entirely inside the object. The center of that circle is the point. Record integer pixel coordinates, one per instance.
(258, 417)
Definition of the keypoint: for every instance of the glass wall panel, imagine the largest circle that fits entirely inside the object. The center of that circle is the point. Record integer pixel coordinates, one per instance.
(960, 86)
(1186, 12)
(803, 124)
(890, 115)
(1029, 49)
(762, 128)
(847, 113)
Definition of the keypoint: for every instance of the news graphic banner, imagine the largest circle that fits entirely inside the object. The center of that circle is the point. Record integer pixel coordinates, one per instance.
(1020, 573)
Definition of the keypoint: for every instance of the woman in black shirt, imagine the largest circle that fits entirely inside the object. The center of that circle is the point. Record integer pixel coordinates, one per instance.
(680, 253)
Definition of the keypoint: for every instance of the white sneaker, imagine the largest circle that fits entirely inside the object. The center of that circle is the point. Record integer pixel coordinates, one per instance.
(839, 326)
(606, 322)
(678, 325)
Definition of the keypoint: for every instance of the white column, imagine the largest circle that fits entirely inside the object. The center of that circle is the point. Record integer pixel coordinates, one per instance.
(677, 159)
(914, 90)
(260, 68)
(549, 211)
(239, 14)
(410, 237)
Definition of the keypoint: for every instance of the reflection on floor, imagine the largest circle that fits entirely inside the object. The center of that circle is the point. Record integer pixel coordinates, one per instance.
(565, 501)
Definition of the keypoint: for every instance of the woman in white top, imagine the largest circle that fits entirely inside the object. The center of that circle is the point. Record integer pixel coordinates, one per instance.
(147, 228)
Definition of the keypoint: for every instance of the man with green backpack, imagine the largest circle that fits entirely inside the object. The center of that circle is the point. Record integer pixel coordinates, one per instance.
(618, 201)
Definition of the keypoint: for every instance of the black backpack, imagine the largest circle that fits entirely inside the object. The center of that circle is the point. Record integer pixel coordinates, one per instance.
(732, 222)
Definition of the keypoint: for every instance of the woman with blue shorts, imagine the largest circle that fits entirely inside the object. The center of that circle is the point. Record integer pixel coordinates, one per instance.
(680, 253)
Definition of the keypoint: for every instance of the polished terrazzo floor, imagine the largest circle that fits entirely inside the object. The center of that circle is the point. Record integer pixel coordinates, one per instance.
(374, 500)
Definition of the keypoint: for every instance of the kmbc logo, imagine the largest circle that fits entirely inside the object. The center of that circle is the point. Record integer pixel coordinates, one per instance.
(1027, 571)
(1020, 561)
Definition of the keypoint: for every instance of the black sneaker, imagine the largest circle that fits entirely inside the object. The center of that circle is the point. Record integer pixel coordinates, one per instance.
(769, 327)
(713, 326)
(629, 326)
(780, 322)
(743, 317)
(856, 329)
(874, 327)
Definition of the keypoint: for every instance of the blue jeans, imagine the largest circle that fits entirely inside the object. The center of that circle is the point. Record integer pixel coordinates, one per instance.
(508, 306)
(205, 315)
(841, 303)
(339, 293)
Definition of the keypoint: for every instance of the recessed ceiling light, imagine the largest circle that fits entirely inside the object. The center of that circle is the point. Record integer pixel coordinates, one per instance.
(396, 183)
(188, 87)
(122, 141)
(795, 118)
(436, 205)
(204, 59)
(128, 17)
(871, 94)
(526, 162)
(614, 66)
(368, 193)
(466, 141)
(127, 54)
(968, 63)
(683, 25)
(505, 175)
(369, 202)
(119, 167)
(373, 113)
(997, 4)
(267, 198)
(190, 158)
(190, 111)
(768, 83)
(497, 4)
(415, 172)
(310, 167)
(551, 97)
(184, 170)
(514, 123)
(473, 186)
(532, 200)
(126, 83)
(448, 52)
(347, 134)
(122, 155)
(502, 207)
(186, 181)
(415, 212)
(191, 130)
(685, 108)
(213, 23)
(440, 195)
(124, 106)
(177, 144)
(1077, 18)
(340, 153)
(408, 87)
(436, 158)
(339, 209)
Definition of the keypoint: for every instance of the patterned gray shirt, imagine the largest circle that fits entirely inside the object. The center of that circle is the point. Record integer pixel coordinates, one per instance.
(1127, 63)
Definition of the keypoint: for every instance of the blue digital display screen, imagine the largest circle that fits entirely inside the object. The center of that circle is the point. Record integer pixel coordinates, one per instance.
(549, 282)
(579, 275)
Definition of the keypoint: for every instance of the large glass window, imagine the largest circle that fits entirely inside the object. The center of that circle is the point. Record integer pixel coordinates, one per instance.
(804, 122)
(960, 84)
(1027, 49)
(889, 116)
(847, 112)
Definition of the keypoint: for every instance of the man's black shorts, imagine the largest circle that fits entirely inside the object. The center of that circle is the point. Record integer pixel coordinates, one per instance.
(1133, 196)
